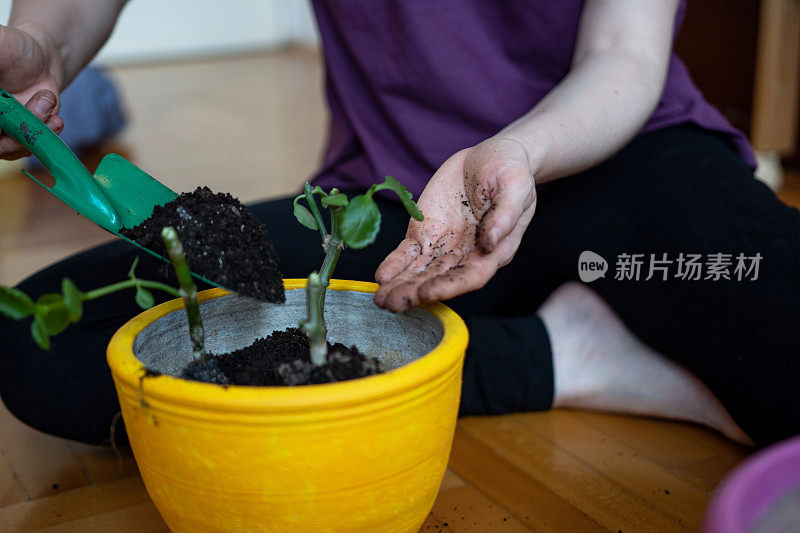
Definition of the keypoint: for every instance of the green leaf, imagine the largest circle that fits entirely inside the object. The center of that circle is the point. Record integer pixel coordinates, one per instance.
(361, 221)
(144, 298)
(406, 198)
(73, 299)
(14, 303)
(337, 200)
(132, 271)
(50, 299)
(40, 335)
(304, 216)
(52, 314)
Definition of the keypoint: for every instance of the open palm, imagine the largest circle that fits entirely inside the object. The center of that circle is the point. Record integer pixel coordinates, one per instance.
(477, 207)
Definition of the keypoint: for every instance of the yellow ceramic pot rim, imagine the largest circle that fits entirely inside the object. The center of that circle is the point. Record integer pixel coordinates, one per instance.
(128, 370)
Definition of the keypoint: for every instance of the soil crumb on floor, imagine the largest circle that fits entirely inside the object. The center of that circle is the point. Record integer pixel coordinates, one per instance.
(283, 358)
(222, 240)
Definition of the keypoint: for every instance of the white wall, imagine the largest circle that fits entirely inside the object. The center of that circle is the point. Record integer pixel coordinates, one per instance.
(164, 30)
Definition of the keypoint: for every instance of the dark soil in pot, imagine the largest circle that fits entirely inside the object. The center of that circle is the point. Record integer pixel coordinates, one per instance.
(283, 358)
(222, 240)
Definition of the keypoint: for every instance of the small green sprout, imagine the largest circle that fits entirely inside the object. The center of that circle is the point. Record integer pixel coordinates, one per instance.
(53, 312)
(355, 223)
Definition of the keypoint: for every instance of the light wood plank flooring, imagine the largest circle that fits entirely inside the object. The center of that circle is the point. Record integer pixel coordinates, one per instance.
(555, 471)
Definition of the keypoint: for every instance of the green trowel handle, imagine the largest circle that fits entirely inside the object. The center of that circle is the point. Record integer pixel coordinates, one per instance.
(73, 184)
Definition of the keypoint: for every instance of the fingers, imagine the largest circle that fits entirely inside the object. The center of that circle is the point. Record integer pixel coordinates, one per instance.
(512, 197)
(398, 260)
(401, 279)
(55, 123)
(419, 240)
(472, 272)
(399, 291)
(41, 104)
(468, 276)
(447, 276)
(403, 291)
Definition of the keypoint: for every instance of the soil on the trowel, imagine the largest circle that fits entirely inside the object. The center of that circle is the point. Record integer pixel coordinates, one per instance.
(222, 240)
(283, 358)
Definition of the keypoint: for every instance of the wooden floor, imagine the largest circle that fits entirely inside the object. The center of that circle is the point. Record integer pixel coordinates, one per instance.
(555, 471)
(254, 126)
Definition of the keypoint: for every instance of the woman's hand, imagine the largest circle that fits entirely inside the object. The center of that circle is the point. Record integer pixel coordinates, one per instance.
(45, 45)
(477, 207)
(26, 71)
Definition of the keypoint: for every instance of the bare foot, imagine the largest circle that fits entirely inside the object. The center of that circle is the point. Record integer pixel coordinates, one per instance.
(599, 364)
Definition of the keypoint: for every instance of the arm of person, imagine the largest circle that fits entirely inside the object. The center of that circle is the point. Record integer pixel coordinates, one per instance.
(45, 45)
(616, 80)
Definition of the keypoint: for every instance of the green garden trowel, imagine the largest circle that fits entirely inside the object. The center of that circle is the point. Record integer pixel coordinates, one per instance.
(118, 195)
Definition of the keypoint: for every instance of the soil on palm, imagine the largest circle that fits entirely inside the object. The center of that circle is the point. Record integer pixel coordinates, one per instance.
(222, 240)
(283, 358)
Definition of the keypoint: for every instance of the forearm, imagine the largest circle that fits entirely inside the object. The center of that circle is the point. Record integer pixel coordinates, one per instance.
(590, 115)
(71, 32)
(615, 83)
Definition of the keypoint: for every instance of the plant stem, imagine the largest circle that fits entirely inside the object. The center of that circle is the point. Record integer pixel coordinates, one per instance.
(314, 325)
(312, 205)
(129, 284)
(329, 264)
(120, 286)
(188, 290)
(333, 247)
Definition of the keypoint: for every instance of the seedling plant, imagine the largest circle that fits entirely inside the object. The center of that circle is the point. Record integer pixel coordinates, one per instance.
(53, 312)
(355, 223)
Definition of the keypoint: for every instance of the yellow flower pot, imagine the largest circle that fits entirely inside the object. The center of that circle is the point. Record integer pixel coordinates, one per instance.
(360, 455)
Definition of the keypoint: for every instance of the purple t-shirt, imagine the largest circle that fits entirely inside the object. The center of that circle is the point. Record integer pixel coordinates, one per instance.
(411, 82)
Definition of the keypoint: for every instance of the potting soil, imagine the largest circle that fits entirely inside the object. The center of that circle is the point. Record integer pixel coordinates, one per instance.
(283, 358)
(222, 240)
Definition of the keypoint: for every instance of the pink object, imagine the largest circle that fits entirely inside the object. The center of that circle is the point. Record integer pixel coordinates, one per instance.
(753, 487)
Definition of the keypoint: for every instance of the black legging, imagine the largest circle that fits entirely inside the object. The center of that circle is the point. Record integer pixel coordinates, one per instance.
(677, 190)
